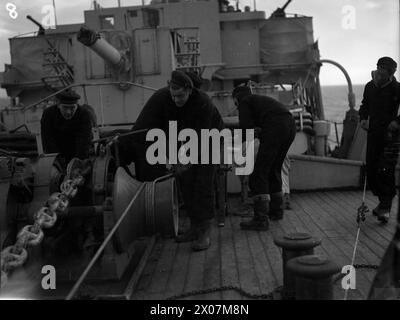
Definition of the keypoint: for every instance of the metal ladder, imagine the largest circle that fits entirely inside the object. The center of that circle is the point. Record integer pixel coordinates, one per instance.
(63, 74)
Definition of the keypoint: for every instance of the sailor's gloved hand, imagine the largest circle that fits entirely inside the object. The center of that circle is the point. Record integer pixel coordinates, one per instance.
(364, 124)
(178, 169)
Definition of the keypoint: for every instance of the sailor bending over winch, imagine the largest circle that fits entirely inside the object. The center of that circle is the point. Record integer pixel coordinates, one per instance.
(378, 115)
(276, 128)
(191, 108)
(66, 127)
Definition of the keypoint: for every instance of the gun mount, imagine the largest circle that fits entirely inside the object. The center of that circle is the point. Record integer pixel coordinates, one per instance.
(41, 29)
(280, 12)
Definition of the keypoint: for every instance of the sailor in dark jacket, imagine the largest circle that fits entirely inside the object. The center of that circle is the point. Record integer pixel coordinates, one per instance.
(275, 127)
(378, 115)
(190, 108)
(66, 128)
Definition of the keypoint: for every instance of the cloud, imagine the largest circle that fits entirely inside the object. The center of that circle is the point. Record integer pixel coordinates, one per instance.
(6, 32)
(373, 5)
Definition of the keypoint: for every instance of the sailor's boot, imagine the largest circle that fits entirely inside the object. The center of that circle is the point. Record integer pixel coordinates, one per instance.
(203, 241)
(382, 211)
(276, 208)
(286, 201)
(190, 234)
(260, 219)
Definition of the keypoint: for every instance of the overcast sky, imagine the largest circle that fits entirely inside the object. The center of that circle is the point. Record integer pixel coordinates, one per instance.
(355, 43)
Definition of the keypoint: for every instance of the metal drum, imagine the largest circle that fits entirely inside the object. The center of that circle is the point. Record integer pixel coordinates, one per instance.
(154, 211)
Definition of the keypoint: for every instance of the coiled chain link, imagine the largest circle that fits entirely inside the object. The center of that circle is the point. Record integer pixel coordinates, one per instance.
(16, 255)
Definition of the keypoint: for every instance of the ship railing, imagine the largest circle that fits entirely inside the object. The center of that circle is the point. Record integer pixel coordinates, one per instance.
(294, 15)
(26, 34)
(335, 124)
(83, 85)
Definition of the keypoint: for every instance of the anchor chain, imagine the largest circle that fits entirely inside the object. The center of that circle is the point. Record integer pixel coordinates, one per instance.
(366, 266)
(15, 256)
(265, 296)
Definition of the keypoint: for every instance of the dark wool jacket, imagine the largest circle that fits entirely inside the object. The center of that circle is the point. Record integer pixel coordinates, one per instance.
(72, 138)
(380, 105)
(257, 111)
(198, 113)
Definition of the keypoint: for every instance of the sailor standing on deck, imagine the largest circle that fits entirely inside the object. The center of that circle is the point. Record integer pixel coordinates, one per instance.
(191, 108)
(378, 115)
(276, 129)
(66, 127)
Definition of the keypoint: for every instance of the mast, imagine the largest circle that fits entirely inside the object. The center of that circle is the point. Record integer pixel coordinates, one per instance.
(55, 13)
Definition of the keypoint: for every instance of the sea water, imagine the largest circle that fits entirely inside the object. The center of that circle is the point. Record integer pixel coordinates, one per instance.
(335, 102)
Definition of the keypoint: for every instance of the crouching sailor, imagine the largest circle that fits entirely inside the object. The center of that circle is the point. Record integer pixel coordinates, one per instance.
(190, 108)
(276, 129)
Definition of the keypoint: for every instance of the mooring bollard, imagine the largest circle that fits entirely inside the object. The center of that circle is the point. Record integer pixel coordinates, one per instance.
(294, 245)
(313, 277)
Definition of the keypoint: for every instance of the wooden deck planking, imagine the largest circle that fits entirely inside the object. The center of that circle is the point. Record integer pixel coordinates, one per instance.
(369, 234)
(346, 242)
(177, 277)
(229, 271)
(385, 230)
(273, 253)
(141, 291)
(312, 228)
(263, 269)
(212, 269)
(195, 275)
(244, 262)
(252, 261)
(164, 266)
(352, 227)
(312, 217)
(371, 221)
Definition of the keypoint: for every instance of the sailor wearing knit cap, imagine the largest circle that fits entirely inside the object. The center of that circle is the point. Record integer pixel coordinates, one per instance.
(66, 127)
(378, 115)
(191, 108)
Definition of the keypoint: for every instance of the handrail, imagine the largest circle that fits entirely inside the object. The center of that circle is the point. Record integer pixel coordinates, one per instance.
(81, 85)
(118, 135)
(75, 288)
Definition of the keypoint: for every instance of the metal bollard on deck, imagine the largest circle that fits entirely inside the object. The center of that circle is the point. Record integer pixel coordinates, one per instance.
(294, 245)
(313, 277)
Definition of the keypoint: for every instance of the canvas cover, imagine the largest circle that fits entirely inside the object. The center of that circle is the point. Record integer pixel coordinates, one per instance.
(287, 41)
(27, 57)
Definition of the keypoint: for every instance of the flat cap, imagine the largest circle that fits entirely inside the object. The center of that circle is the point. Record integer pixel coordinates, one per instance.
(388, 64)
(68, 97)
(181, 79)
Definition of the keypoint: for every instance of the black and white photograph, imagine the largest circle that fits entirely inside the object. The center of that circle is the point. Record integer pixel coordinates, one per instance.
(200, 157)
